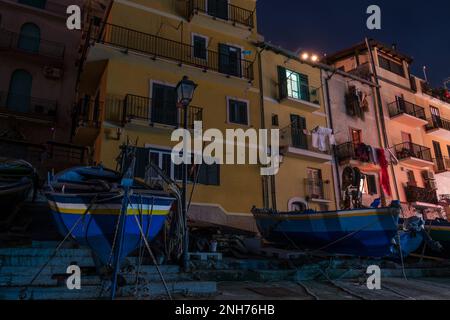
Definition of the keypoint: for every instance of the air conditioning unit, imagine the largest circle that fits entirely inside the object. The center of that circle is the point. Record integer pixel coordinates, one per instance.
(52, 72)
(428, 175)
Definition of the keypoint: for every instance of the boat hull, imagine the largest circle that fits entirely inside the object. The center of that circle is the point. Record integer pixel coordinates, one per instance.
(440, 231)
(92, 220)
(365, 232)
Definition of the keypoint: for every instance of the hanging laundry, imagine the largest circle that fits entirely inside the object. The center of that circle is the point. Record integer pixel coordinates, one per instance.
(323, 138)
(384, 174)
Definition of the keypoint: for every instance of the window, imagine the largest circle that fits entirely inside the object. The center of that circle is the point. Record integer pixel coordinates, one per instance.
(164, 105)
(205, 174)
(293, 85)
(406, 137)
(34, 3)
(392, 66)
(315, 187)
(356, 136)
(230, 60)
(29, 38)
(275, 122)
(218, 8)
(238, 112)
(371, 184)
(200, 45)
(411, 178)
(298, 136)
(19, 94)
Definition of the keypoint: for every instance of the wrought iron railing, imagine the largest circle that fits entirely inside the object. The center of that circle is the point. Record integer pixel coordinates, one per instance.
(18, 149)
(88, 112)
(401, 106)
(306, 93)
(299, 139)
(231, 13)
(50, 6)
(23, 43)
(411, 150)
(441, 164)
(416, 194)
(13, 103)
(67, 153)
(352, 151)
(317, 189)
(156, 46)
(436, 122)
(143, 108)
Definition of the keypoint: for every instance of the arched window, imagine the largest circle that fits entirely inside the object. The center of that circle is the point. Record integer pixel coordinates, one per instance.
(34, 3)
(19, 94)
(30, 37)
(297, 204)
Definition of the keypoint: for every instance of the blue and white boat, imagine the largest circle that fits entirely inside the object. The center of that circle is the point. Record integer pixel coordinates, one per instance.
(87, 203)
(359, 232)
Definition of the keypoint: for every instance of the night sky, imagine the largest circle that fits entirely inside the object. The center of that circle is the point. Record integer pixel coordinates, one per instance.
(420, 29)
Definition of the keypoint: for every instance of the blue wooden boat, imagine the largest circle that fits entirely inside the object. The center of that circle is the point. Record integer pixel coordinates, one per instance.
(439, 230)
(87, 203)
(358, 232)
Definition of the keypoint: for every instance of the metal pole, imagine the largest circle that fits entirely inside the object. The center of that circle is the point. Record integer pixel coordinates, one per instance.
(184, 194)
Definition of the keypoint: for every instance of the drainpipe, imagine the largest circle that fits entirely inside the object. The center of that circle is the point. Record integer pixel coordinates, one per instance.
(265, 184)
(380, 109)
(335, 168)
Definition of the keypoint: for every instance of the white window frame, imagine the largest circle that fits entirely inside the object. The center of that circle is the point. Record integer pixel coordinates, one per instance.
(193, 35)
(247, 102)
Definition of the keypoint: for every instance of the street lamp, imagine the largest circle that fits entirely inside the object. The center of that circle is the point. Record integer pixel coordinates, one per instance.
(185, 92)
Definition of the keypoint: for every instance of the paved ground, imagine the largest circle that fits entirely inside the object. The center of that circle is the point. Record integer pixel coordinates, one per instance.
(392, 289)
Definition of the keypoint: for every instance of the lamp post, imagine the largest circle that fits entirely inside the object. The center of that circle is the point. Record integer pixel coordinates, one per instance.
(185, 92)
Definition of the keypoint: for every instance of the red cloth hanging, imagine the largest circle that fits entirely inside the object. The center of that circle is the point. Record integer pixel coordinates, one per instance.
(384, 174)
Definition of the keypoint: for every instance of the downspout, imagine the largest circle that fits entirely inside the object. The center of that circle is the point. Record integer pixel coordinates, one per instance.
(265, 185)
(381, 113)
(335, 168)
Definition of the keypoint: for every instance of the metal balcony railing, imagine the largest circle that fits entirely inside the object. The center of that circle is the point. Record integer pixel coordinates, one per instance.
(404, 107)
(297, 138)
(155, 46)
(411, 150)
(441, 164)
(306, 93)
(143, 108)
(416, 194)
(223, 10)
(351, 151)
(50, 6)
(88, 112)
(68, 153)
(317, 189)
(31, 45)
(17, 104)
(436, 122)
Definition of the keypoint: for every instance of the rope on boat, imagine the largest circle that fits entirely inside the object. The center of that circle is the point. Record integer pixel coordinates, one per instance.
(147, 245)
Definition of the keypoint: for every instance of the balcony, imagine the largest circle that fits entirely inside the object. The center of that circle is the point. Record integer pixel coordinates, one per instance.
(308, 98)
(30, 46)
(357, 155)
(414, 154)
(221, 10)
(87, 118)
(438, 127)
(49, 6)
(441, 165)
(318, 190)
(158, 47)
(407, 113)
(142, 110)
(295, 142)
(418, 195)
(28, 108)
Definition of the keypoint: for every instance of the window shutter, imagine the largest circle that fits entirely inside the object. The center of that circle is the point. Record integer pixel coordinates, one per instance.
(214, 175)
(304, 87)
(224, 57)
(142, 161)
(243, 113)
(282, 83)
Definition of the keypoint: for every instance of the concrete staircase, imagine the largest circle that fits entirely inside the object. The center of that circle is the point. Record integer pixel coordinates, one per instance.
(18, 266)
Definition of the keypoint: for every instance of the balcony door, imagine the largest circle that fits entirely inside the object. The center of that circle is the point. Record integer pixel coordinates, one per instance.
(436, 117)
(438, 154)
(218, 8)
(230, 60)
(298, 127)
(314, 183)
(19, 94)
(164, 105)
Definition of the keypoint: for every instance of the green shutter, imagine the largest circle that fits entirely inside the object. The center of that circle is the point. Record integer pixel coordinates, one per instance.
(282, 83)
(304, 87)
